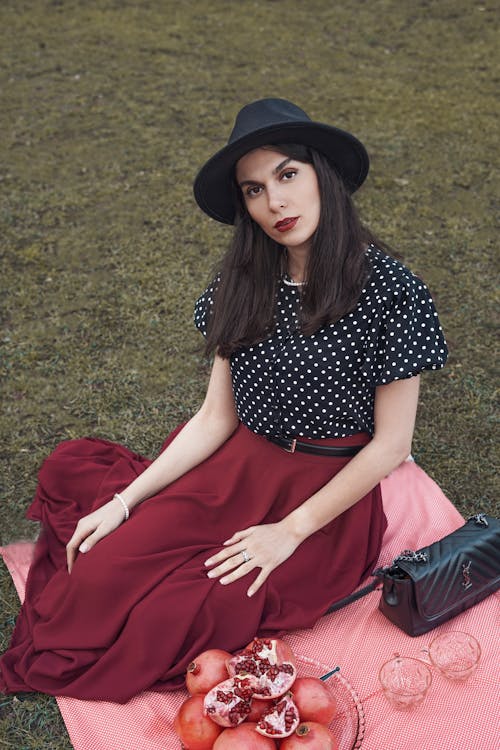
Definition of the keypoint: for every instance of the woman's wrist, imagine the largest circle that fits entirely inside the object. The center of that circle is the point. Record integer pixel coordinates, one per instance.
(293, 523)
(126, 511)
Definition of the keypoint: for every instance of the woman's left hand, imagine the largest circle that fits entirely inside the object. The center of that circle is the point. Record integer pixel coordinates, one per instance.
(264, 547)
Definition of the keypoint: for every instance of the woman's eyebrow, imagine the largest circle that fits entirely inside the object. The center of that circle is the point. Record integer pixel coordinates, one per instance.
(281, 165)
(275, 171)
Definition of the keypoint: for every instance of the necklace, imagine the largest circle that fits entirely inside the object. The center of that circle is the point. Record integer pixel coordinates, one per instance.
(285, 277)
(290, 282)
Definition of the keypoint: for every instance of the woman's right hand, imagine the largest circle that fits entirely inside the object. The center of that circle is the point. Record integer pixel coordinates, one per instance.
(90, 529)
(205, 432)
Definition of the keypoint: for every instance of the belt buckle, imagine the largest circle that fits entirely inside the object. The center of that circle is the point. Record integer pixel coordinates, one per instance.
(291, 449)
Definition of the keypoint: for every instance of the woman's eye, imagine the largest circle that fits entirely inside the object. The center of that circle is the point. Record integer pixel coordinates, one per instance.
(254, 190)
(289, 174)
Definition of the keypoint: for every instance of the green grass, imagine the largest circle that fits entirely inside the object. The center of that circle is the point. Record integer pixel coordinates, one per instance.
(107, 110)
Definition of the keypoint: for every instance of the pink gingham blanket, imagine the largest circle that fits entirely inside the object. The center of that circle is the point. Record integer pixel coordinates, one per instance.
(454, 716)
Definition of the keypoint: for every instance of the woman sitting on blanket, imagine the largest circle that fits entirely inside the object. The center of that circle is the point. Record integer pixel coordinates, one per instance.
(265, 507)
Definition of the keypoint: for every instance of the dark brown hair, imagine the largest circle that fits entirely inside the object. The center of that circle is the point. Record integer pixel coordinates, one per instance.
(337, 266)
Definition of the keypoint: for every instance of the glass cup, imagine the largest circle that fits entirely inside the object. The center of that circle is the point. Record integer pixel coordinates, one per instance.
(455, 654)
(405, 681)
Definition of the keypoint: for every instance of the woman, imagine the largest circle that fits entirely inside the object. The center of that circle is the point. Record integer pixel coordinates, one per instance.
(265, 507)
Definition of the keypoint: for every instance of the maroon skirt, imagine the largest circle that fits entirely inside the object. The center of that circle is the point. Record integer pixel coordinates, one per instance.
(139, 606)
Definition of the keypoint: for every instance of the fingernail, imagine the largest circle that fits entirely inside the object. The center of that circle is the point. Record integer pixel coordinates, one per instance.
(83, 547)
(210, 574)
(249, 593)
(207, 562)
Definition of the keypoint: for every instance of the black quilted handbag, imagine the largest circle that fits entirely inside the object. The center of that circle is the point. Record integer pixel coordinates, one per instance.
(422, 589)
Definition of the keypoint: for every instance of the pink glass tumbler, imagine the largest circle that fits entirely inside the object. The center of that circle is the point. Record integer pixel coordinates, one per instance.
(405, 681)
(455, 654)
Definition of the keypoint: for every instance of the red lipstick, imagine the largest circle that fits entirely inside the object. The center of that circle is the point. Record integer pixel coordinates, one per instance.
(286, 224)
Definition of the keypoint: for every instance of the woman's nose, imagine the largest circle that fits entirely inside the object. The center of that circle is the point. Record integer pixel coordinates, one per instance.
(276, 200)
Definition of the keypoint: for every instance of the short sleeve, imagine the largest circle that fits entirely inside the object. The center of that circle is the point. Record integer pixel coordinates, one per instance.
(409, 336)
(203, 307)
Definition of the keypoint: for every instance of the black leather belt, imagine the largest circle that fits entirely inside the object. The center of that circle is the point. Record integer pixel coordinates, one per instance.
(291, 445)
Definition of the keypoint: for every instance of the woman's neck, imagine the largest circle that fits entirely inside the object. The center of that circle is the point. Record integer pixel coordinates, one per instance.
(296, 261)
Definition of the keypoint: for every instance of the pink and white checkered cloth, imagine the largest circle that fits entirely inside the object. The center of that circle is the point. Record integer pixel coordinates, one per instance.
(454, 716)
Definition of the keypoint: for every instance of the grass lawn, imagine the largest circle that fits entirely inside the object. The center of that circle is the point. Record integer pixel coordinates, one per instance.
(108, 108)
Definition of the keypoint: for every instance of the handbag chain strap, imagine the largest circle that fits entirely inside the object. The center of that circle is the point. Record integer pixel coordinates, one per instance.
(419, 556)
(409, 555)
(479, 519)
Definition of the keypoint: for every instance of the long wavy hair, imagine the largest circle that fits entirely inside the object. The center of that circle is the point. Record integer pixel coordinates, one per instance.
(337, 268)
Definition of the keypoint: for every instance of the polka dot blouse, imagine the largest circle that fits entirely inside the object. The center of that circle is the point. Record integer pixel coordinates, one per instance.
(323, 385)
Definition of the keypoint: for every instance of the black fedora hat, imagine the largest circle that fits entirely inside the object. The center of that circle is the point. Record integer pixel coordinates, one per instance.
(263, 123)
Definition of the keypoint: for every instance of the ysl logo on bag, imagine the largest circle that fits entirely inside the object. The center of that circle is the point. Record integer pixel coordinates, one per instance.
(466, 583)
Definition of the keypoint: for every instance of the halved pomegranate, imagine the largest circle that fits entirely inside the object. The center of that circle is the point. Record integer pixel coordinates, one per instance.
(281, 719)
(260, 662)
(229, 702)
(274, 649)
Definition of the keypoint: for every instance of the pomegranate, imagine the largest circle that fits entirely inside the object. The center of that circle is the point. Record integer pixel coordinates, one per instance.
(269, 677)
(228, 703)
(313, 700)
(274, 649)
(243, 737)
(310, 735)
(195, 730)
(207, 670)
(257, 708)
(281, 719)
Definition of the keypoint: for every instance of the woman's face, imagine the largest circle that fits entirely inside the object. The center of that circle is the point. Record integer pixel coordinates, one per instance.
(282, 195)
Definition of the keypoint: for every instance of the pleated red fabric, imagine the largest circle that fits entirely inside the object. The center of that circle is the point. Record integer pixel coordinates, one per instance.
(139, 607)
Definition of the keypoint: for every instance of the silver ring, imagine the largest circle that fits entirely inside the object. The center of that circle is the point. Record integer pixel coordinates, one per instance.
(245, 554)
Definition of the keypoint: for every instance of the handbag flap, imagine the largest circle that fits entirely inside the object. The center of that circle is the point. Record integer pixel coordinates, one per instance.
(456, 568)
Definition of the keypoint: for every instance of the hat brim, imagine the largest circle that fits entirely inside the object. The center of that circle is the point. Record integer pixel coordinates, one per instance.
(213, 188)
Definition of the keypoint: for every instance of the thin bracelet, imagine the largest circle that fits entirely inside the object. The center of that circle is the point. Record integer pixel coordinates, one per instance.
(125, 506)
